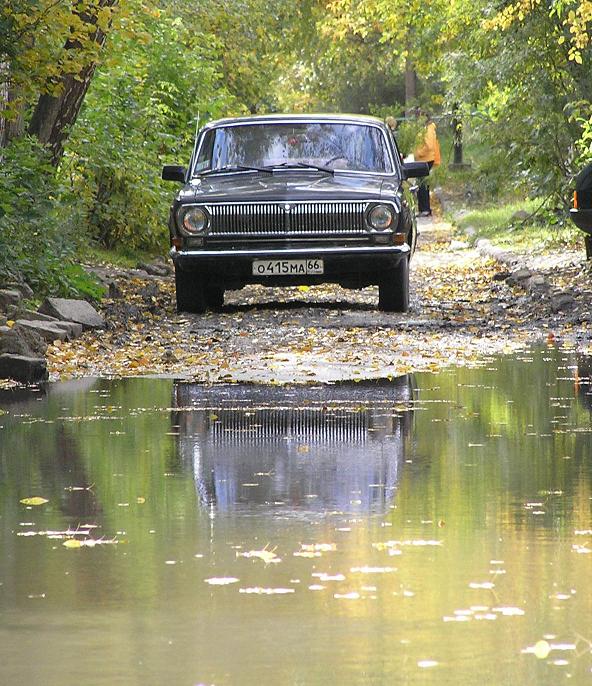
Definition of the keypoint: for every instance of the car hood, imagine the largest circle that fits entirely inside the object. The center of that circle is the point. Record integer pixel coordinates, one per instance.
(282, 186)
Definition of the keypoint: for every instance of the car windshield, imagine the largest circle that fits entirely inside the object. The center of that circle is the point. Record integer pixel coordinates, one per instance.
(337, 146)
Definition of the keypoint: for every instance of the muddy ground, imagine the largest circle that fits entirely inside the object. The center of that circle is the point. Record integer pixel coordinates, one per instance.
(463, 309)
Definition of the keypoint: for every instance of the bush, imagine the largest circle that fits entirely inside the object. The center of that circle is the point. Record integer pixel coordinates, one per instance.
(38, 224)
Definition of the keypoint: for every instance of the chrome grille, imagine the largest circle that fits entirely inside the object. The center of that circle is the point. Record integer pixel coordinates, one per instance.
(290, 219)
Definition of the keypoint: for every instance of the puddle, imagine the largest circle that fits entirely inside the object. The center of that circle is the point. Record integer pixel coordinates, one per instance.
(433, 529)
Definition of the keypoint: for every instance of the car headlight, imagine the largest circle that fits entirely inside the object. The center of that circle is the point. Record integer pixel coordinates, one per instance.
(381, 217)
(193, 220)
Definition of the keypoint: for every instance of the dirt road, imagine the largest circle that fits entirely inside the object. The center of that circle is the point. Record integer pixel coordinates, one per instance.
(463, 308)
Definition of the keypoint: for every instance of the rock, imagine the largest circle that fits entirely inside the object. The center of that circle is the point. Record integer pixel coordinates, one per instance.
(560, 302)
(73, 329)
(519, 277)
(115, 293)
(537, 283)
(23, 368)
(47, 330)
(12, 311)
(79, 311)
(3, 320)
(9, 298)
(155, 269)
(458, 245)
(520, 216)
(23, 288)
(31, 315)
(21, 341)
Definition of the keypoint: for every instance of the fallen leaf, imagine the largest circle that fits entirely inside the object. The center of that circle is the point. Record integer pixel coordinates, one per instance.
(35, 500)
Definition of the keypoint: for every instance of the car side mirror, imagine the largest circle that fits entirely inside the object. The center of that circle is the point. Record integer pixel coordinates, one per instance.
(173, 172)
(416, 170)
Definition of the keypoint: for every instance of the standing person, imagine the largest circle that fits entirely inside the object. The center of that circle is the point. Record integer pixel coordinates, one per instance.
(428, 151)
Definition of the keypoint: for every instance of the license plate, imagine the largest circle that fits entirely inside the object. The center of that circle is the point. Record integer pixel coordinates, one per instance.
(287, 267)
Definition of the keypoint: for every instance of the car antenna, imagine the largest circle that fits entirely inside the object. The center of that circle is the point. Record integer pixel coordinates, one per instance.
(195, 140)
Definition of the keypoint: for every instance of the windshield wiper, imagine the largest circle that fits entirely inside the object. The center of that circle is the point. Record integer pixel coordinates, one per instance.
(231, 168)
(303, 165)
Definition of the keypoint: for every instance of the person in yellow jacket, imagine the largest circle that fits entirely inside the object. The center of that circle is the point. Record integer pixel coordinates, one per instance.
(428, 151)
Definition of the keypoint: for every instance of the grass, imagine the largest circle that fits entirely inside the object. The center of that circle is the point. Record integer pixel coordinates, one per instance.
(532, 234)
(117, 257)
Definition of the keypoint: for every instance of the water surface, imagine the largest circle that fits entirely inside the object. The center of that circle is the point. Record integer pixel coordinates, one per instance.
(433, 529)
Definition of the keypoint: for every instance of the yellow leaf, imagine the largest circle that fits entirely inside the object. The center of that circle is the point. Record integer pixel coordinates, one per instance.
(541, 649)
(72, 543)
(35, 500)
(10, 323)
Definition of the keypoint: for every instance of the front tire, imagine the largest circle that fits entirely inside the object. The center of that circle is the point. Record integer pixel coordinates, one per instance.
(214, 296)
(393, 289)
(190, 292)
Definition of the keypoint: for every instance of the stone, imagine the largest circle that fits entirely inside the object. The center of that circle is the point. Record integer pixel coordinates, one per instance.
(31, 315)
(518, 277)
(3, 320)
(23, 368)
(155, 269)
(115, 293)
(537, 283)
(73, 329)
(458, 245)
(12, 311)
(79, 311)
(23, 288)
(9, 298)
(560, 302)
(21, 341)
(47, 330)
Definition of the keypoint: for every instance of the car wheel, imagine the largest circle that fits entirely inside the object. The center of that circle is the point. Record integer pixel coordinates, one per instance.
(214, 296)
(393, 289)
(190, 292)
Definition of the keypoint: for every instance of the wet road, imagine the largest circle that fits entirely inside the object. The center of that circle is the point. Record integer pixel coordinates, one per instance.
(434, 529)
(461, 309)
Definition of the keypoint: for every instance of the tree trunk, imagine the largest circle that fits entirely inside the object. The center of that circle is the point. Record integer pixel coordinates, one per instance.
(4, 100)
(410, 86)
(54, 115)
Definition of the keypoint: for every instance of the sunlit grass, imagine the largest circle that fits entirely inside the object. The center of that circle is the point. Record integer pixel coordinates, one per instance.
(499, 224)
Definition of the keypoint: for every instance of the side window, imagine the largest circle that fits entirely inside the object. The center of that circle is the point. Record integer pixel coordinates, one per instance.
(395, 148)
(204, 158)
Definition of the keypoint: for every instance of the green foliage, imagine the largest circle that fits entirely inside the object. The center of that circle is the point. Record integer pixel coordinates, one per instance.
(38, 234)
(409, 135)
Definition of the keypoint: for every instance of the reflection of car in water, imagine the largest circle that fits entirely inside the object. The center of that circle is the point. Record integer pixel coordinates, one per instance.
(302, 448)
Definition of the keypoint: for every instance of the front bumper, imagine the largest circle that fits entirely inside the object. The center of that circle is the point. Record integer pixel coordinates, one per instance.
(351, 266)
(196, 256)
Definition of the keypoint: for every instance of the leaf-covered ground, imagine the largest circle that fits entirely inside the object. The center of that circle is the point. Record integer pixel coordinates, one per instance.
(462, 310)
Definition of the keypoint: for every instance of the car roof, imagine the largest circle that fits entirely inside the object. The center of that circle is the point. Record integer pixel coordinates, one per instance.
(313, 118)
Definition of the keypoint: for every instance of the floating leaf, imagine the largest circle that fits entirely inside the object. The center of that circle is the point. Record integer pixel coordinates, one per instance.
(72, 543)
(35, 500)
(221, 580)
(541, 649)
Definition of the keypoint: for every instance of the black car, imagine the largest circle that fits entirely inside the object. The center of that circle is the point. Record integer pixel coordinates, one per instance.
(581, 212)
(293, 200)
